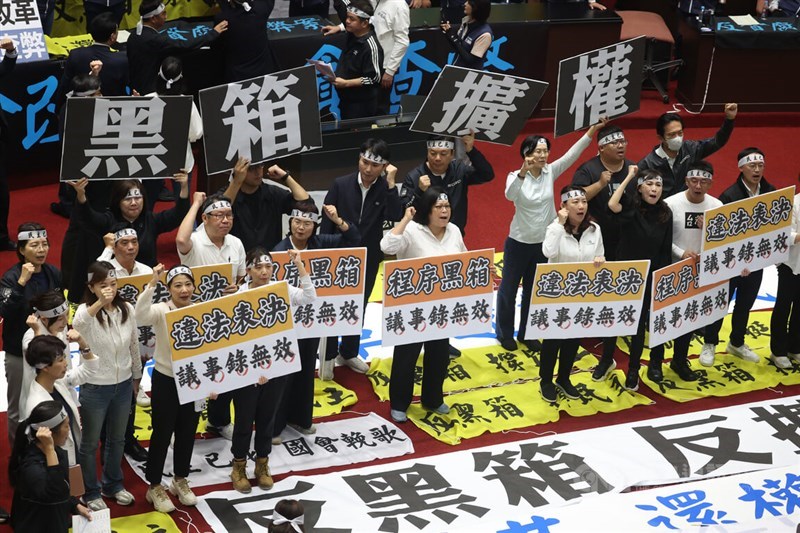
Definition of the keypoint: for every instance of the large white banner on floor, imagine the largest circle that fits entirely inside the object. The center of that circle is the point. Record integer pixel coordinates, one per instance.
(342, 442)
(488, 489)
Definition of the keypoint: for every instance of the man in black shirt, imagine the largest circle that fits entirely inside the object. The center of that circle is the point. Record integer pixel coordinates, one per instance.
(246, 43)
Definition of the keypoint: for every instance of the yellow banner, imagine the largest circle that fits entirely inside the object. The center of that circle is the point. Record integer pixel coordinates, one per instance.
(585, 283)
(138, 523)
(519, 405)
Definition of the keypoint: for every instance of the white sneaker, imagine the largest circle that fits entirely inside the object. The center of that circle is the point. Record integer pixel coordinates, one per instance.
(142, 399)
(355, 364)
(305, 431)
(743, 352)
(123, 497)
(226, 432)
(96, 505)
(707, 354)
(180, 488)
(795, 356)
(160, 499)
(773, 5)
(326, 369)
(781, 361)
(277, 441)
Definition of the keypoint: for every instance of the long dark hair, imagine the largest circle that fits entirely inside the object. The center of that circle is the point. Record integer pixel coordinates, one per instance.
(664, 214)
(587, 218)
(41, 413)
(99, 271)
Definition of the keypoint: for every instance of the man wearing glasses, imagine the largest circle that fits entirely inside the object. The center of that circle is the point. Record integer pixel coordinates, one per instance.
(673, 155)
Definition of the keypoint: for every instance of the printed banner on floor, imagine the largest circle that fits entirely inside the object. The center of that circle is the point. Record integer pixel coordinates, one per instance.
(494, 487)
(260, 119)
(361, 439)
(494, 106)
(579, 300)
(749, 234)
(20, 22)
(604, 82)
(233, 341)
(137, 523)
(338, 276)
(437, 297)
(141, 137)
(680, 306)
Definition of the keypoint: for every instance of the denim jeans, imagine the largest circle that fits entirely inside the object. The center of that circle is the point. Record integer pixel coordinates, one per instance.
(110, 404)
(519, 263)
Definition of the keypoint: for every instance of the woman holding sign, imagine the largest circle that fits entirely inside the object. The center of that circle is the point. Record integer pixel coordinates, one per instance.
(259, 403)
(297, 406)
(169, 417)
(422, 233)
(572, 238)
(646, 221)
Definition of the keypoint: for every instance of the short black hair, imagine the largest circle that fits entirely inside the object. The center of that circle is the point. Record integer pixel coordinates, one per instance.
(289, 509)
(425, 204)
(665, 119)
(749, 150)
(148, 5)
(103, 26)
(377, 147)
(26, 226)
(608, 130)
(481, 9)
(171, 68)
(44, 350)
(363, 5)
(529, 144)
(258, 251)
(703, 165)
(82, 83)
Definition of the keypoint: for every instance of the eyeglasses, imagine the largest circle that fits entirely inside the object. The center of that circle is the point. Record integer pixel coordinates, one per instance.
(619, 142)
(444, 207)
(221, 216)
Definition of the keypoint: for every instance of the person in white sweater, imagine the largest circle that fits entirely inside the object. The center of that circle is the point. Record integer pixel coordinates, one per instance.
(107, 324)
(422, 233)
(573, 237)
(259, 404)
(531, 190)
(168, 415)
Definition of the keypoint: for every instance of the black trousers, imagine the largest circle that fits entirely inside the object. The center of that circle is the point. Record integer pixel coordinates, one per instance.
(170, 417)
(434, 370)
(746, 289)
(565, 351)
(784, 326)
(637, 341)
(297, 404)
(5, 198)
(351, 343)
(219, 410)
(256, 404)
(297, 9)
(92, 10)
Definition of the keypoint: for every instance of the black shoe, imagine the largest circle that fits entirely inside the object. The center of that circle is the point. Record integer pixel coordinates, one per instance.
(684, 372)
(508, 345)
(531, 344)
(4, 516)
(135, 451)
(60, 209)
(654, 372)
(568, 390)
(603, 369)
(7, 245)
(632, 380)
(454, 352)
(166, 196)
(548, 391)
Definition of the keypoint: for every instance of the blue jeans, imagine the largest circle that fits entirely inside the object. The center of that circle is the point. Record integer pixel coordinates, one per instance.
(519, 263)
(110, 404)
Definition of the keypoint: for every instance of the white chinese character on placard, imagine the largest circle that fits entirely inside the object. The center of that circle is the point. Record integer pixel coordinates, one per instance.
(600, 84)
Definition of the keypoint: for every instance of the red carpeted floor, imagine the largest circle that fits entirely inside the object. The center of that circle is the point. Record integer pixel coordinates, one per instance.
(489, 217)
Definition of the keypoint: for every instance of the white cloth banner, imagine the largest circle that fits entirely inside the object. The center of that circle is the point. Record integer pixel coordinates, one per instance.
(342, 442)
(486, 489)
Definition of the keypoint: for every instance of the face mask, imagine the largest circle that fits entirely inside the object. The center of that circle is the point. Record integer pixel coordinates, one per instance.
(675, 143)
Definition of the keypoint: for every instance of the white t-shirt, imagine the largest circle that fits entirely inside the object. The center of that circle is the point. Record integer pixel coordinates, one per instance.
(687, 234)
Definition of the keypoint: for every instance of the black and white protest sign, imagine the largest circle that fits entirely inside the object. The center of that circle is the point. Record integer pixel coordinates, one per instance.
(494, 106)
(125, 137)
(604, 82)
(261, 118)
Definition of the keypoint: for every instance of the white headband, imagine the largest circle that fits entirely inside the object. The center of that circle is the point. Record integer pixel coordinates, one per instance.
(642, 179)
(751, 158)
(33, 234)
(278, 519)
(313, 217)
(150, 14)
(50, 424)
(611, 137)
(442, 196)
(221, 204)
(449, 145)
(575, 193)
(125, 232)
(177, 271)
(87, 92)
(357, 12)
(52, 313)
(375, 158)
(170, 81)
(133, 193)
(111, 274)
(697, 173)
(259, 260)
